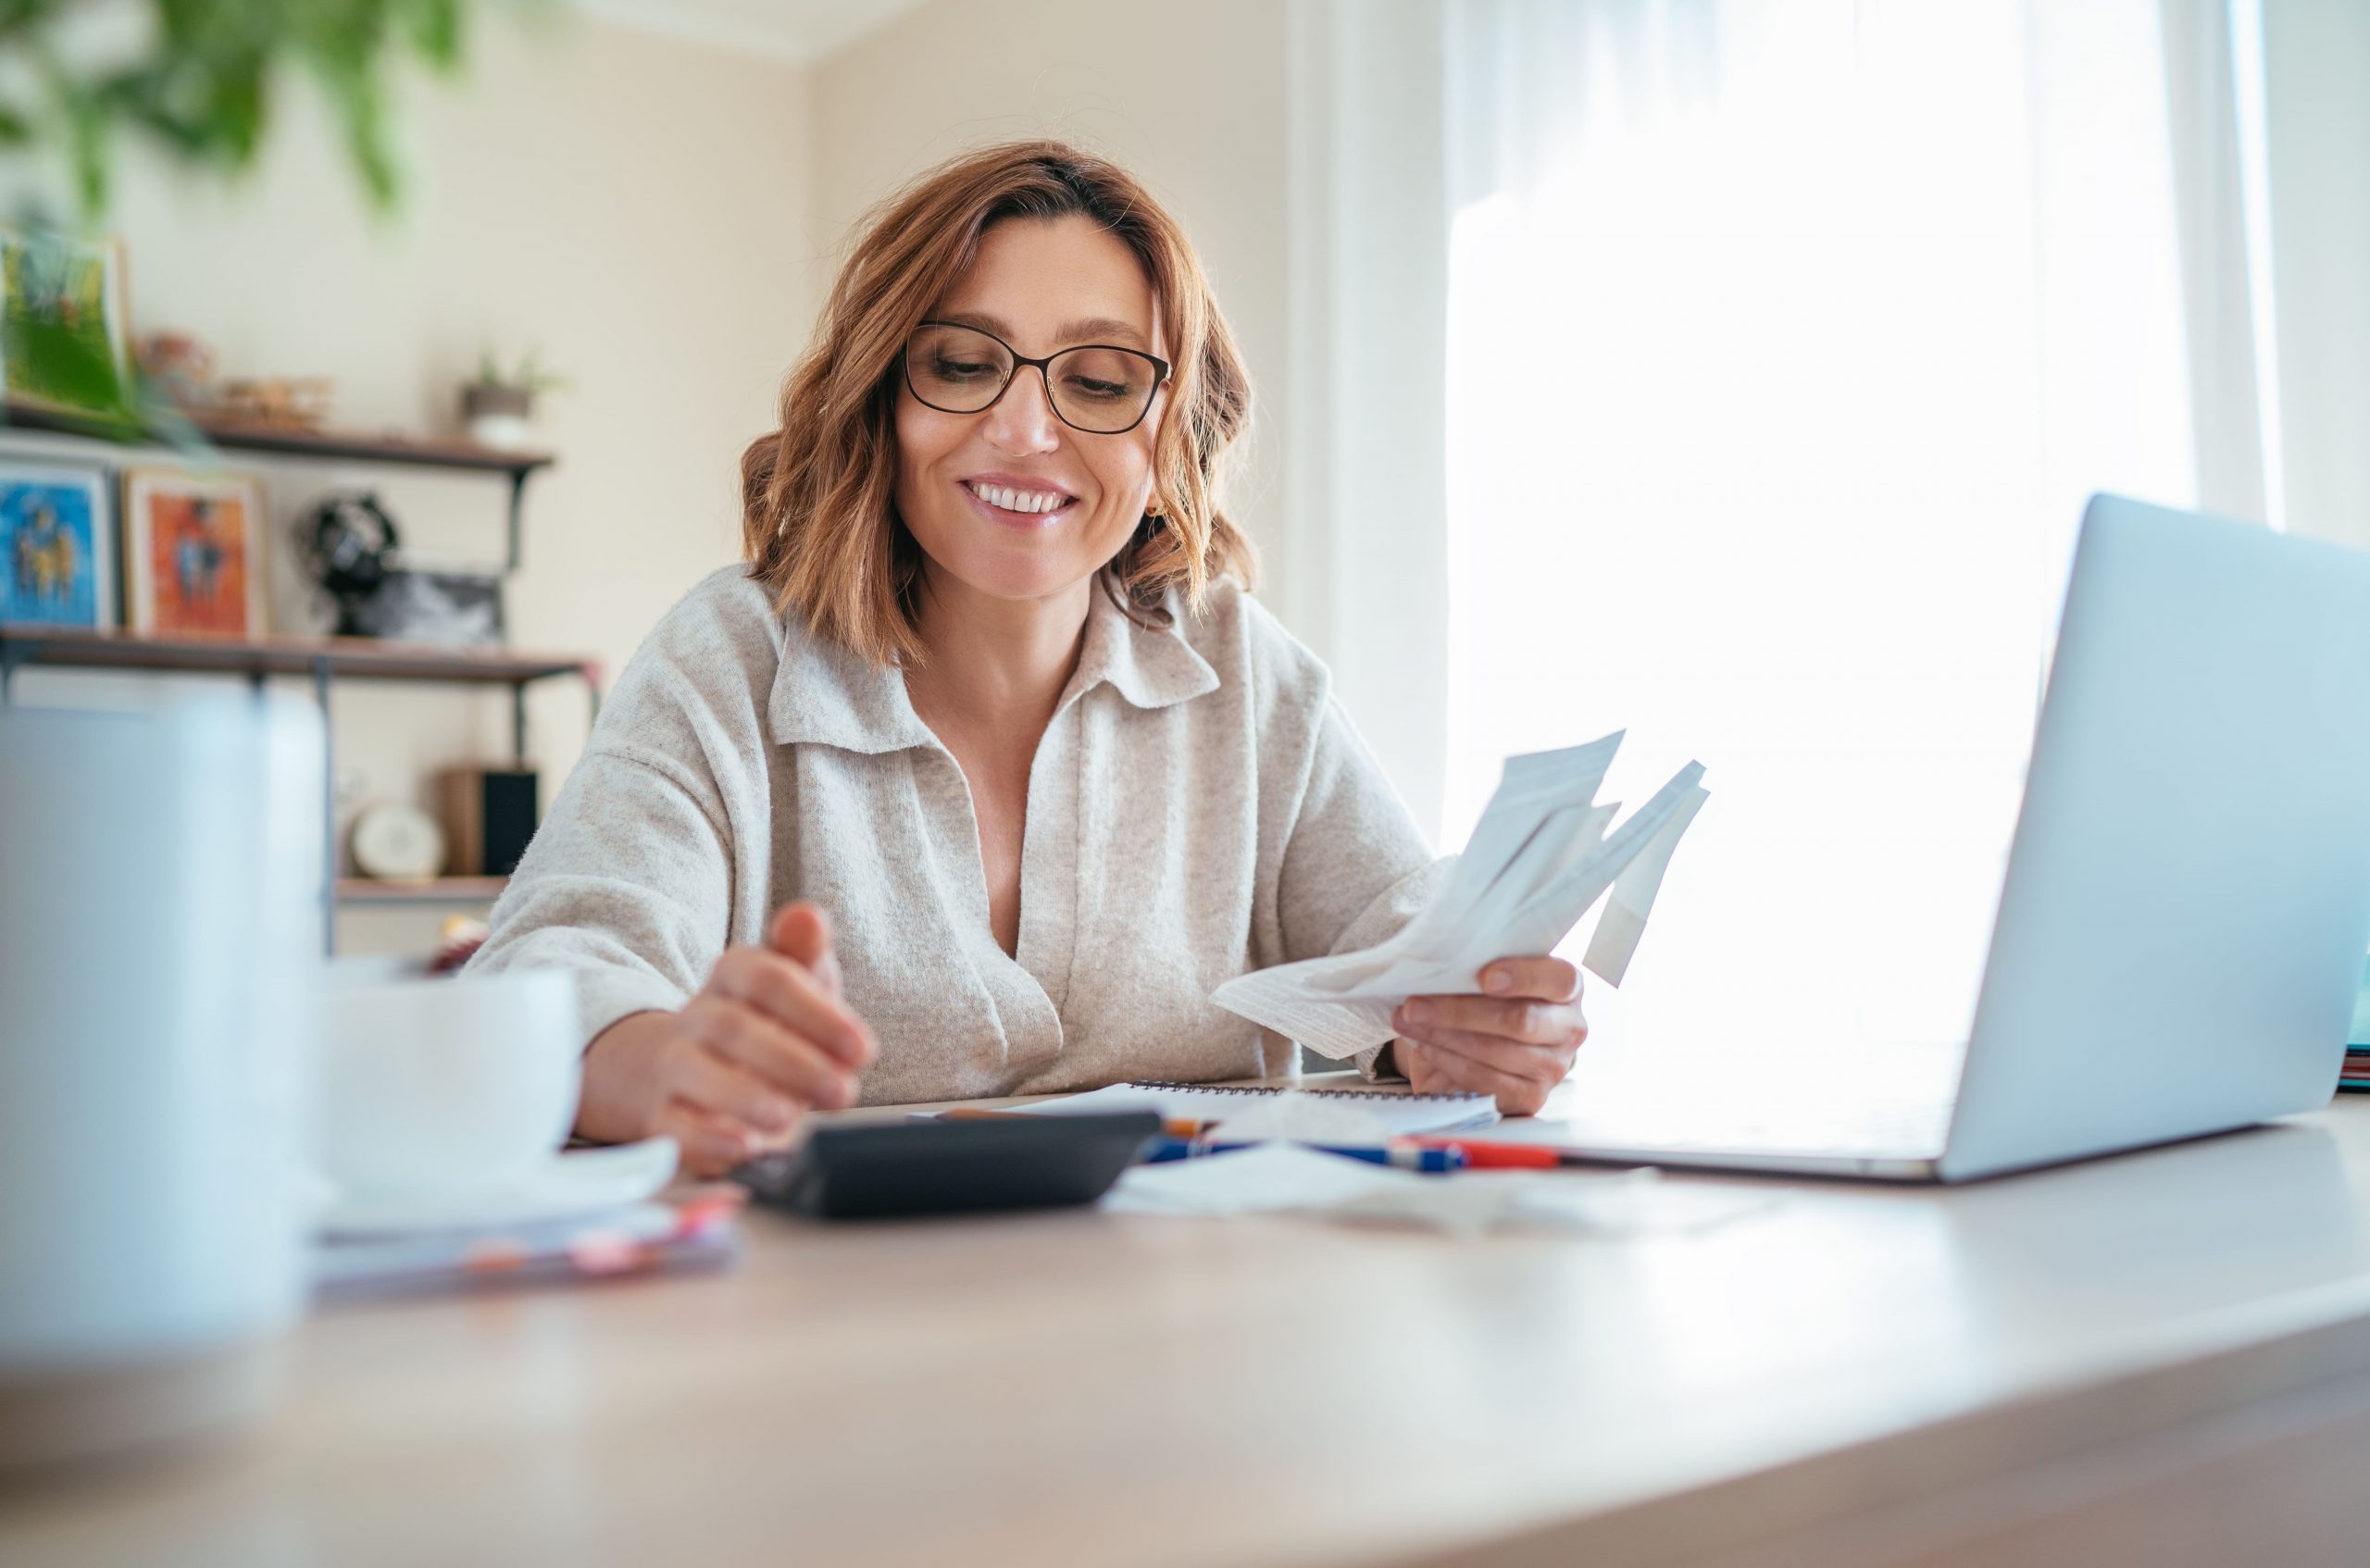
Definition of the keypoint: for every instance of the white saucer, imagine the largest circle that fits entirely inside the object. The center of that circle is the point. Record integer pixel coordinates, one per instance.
(580, 1181)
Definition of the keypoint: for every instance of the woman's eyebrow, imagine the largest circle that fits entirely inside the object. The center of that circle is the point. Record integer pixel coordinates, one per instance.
(1093, 328)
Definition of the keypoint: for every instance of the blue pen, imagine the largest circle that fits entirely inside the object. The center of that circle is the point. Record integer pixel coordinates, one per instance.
(1405, 1157)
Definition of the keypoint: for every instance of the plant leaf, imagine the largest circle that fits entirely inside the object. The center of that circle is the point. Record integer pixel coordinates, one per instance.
(434, 28)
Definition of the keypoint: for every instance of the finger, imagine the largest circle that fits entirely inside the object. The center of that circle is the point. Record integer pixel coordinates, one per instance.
(1415, 1066)
(786, 990)
(781, 1057)
(1543, 1064)
(705, 1147)
(1512, 1093)
(1548, 978)
(698, 1076)
(1533, 1023)
(800, 930)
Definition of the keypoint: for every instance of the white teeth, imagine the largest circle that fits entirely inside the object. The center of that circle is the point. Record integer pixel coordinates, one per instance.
(1018, 500)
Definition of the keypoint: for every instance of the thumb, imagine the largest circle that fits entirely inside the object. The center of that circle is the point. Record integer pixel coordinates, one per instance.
(802, 932)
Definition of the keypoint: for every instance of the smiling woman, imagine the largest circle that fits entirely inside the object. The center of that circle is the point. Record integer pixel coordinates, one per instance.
(929, 306)
(985, 768)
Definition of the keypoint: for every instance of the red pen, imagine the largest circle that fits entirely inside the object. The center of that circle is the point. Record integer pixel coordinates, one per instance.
(1481, 1156)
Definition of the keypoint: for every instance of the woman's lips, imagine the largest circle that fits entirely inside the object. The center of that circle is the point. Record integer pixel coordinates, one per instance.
(1010, 519)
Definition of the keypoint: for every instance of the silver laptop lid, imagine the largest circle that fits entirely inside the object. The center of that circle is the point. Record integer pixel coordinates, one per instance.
(2187, 902)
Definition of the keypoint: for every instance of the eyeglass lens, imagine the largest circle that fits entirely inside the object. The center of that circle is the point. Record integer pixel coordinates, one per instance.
(957, 370)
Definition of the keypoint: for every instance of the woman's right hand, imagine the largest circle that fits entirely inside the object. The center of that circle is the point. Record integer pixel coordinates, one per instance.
(729, 1073)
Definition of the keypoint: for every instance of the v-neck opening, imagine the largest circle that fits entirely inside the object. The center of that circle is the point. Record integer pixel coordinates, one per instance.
(1045, 939)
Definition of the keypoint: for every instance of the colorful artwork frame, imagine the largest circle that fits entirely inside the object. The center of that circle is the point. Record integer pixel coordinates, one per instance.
(73, 289)
(58, 545)
(195, 549)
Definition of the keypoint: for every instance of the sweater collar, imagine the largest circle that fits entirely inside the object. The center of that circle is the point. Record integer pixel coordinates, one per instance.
(829, 695)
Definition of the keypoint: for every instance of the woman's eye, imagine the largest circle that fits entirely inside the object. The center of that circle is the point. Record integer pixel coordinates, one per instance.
(1092, 387)
(962, 370)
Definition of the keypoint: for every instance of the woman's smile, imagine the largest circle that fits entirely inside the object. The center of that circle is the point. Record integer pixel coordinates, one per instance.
(1015, 503)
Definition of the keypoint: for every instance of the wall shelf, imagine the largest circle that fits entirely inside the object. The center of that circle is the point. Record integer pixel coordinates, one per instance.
(343, 658)
(320, 445)
(354, 890)
(294, 441)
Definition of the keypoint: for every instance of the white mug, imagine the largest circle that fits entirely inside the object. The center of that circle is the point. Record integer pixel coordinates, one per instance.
(159, 935)
(443, 1087)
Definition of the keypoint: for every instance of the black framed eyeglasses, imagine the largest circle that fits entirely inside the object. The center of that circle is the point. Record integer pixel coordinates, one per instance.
(1101, 389)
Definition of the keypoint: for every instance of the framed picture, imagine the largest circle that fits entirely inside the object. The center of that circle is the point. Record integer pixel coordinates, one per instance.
(57, 544)
(62, 331)
(194, 553)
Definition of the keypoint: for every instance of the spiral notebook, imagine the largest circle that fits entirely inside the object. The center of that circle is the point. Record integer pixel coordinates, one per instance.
(1401, 1115)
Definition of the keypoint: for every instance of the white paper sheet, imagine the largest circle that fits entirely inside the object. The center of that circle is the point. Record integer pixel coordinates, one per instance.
(1288, 1179)
(1538, 861)
(1632, 899)
(1311, 1117)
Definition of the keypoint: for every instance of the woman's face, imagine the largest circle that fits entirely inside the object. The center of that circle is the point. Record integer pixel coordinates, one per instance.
(1041, 286)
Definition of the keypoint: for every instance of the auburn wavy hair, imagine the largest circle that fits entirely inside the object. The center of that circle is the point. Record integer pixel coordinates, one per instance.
(818, 517)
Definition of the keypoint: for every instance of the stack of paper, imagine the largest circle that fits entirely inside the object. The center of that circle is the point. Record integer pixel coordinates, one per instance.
(636, 1239)
(1327, 1115)
(1284, 1178)
(1540, 858)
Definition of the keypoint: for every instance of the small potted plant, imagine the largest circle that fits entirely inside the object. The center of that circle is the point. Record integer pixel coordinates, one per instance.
(499, 404)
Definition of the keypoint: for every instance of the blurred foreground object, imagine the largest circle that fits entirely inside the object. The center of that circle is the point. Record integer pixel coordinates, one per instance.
(158, 873)
(201, 82)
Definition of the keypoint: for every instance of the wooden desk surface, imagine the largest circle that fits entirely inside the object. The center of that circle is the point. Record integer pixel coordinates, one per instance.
(1853, 1375)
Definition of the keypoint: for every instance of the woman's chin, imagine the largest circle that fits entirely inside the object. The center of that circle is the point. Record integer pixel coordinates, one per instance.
(1016, 570)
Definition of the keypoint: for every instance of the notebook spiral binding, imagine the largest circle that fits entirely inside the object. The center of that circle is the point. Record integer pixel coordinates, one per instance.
(1272, 1089)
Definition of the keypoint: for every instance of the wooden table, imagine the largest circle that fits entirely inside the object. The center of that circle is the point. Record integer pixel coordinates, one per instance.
(2160, 1358)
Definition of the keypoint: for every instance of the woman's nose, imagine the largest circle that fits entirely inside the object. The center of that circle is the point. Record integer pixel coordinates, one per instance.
(1023, 420)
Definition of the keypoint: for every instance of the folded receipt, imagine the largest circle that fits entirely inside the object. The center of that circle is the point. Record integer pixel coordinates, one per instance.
(1543, 854)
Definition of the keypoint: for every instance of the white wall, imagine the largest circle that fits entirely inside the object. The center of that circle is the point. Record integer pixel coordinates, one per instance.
(1367, 480)
(636, 206)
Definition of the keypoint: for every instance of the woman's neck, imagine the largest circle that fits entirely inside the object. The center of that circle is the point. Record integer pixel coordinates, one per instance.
(995, 665)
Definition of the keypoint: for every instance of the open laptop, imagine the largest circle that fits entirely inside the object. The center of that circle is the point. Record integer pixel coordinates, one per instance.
(2187, 902)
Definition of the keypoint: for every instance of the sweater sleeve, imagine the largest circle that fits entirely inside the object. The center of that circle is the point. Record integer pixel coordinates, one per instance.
(1356, 869)
(627, 885)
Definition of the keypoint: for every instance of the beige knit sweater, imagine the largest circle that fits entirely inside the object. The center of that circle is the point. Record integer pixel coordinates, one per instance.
(1200, 807)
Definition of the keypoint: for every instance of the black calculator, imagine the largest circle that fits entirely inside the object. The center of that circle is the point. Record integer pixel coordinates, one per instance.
(875, 1171)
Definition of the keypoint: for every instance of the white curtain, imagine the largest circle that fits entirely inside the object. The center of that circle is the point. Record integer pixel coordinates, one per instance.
(1785, 340)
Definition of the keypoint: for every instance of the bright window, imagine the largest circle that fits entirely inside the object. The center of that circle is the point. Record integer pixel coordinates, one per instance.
(1785, 340)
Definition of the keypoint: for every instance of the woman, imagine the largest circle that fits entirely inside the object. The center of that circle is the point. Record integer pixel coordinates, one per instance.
(990, 691)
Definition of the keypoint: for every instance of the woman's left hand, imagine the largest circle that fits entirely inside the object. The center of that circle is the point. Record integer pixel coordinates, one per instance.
(1515, 1042)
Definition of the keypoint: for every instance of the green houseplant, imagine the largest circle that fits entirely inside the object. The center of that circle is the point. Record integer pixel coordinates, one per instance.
(497, 404)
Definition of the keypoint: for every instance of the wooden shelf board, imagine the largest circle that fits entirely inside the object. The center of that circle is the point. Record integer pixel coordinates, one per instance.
(439, 889)
(346, 658)
(332, 445)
